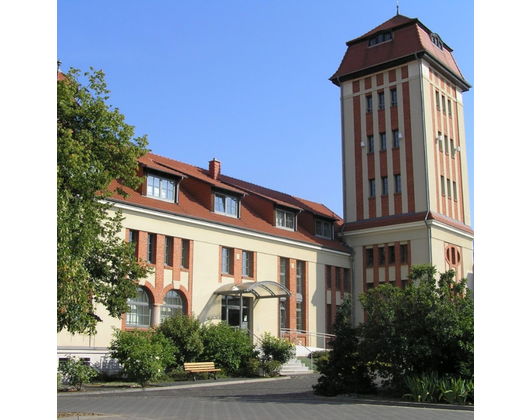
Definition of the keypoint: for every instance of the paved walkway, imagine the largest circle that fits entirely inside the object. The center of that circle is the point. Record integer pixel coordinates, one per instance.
(285, 398)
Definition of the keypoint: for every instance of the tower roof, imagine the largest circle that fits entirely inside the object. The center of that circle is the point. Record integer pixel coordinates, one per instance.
(410, 39)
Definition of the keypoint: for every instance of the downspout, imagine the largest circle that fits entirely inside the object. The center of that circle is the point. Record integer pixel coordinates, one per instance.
(429, 234)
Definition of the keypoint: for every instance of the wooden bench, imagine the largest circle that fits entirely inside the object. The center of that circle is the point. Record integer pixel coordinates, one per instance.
(200, 367)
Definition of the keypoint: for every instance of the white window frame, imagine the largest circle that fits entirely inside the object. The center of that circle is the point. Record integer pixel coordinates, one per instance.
(226, 204)
(323, 229)
(285, 219)
(161, 188)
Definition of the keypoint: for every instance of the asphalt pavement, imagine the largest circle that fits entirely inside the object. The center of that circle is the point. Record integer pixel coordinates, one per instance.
(283, 398)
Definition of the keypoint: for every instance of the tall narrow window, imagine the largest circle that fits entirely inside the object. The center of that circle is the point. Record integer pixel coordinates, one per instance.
(382, 256)
(371, 187)
(337, 278)
(328, 276)
(437, 100)
(151, 248)
(449, 108)
(383, 140)
(369, 104)
(439, 140)
(455, 196)
(299, 294)
(397, 183)
(226, 260)
(133, 239)
(381, 96)
(370, 144)
(446, 143)
(185, 253)
(247, 269)
(395, 138)
(283, 271)
(384, 185)
(449, 188)
(369, 257)
(168, 251)
(393, 97)
(391, 254)
(443, 104)
(442, 183)
(403, 253)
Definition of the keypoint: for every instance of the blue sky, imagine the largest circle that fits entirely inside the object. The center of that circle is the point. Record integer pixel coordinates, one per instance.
(245, 81)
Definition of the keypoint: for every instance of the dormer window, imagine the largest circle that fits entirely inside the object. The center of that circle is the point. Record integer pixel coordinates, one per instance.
(161, 188)
(285, 219)
(226, 204)
(323, 228)
(436, 40)
(379, 38)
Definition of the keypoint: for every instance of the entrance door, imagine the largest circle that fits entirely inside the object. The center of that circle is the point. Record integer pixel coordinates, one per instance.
(231, 309)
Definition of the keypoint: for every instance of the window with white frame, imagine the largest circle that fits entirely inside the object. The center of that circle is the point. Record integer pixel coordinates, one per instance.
(323, 228)
(227, 258)
(226, 204)
(247, 264)
(139, 312)
(285, 219)
(173, 305)
(161, 188)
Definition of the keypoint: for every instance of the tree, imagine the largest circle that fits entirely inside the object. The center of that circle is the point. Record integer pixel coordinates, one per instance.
(343, 371)
(425, 328)
(94, 147)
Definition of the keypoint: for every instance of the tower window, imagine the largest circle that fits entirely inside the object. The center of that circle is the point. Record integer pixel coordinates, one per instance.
(393, 97)
(369, 104)
(380, 37)
(370, 144)
(381, 96)
(436, 40)
(383, 141)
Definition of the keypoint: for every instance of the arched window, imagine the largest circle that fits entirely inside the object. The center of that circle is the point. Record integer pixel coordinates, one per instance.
(139, 313)
(173, 304)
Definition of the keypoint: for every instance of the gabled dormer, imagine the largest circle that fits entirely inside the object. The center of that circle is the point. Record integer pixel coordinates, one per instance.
(286, 217)
(161, 182)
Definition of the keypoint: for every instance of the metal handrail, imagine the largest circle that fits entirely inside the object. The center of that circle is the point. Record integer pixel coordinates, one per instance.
(294, 333)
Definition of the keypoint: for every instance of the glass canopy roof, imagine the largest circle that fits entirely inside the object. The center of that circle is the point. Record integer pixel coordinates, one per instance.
(260, 289)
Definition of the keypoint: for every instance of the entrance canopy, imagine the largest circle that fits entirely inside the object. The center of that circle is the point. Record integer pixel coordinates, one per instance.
(260, 289)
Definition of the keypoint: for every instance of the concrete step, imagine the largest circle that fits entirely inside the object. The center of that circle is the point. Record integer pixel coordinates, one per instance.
(294, 367)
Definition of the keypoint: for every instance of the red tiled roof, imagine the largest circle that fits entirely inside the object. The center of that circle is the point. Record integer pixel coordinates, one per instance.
(410, 37)
(257, 204)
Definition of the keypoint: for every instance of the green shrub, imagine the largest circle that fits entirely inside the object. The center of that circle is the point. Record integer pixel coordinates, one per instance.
(271, 367)
(75, 372)
(185, 333)
(144, 355)
(229, 348)
(276, 349)
(430, 388)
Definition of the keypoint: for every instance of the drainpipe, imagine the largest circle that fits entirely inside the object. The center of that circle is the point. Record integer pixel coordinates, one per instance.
(429, 251)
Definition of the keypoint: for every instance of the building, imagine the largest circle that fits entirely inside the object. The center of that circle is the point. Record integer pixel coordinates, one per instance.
(405, 181)
(227, 250)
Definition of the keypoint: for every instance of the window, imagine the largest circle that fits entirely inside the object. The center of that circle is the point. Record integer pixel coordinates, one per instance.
(299, 294)
(452, 147)
(151, 248)
(347, 280)
(397, 183)
(370, 144)
(455, 196)
(395, 138)
(384, 185)
(226, 204)
(403, 253)
(436, 40)
(449, 108)
(283, 271)
(328, 276)
(168, 251)
(446, 143)
(381, 96)
(185, 253)
(299, 277)
(369, 104)
(337, 278)
(381, 37)
(440, 144)
(449, 188)
(133, 239)
(139, 312)
(444, 110)
(172, 305)
(382, 256)
(393, 97)
(369, 257)
(391, 254)
(437, 100)
(226, 260)
(442, 182)
(248, 259)
(160, 188)
(371, 187)
(323, 229)
(285, 219)
(382, 137)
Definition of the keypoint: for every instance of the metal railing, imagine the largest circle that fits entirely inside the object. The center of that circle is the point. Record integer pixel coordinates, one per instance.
(311, 339)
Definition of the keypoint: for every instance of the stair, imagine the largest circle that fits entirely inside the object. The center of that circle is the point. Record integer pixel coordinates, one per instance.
(294, 367)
